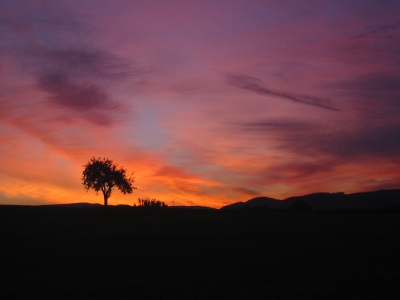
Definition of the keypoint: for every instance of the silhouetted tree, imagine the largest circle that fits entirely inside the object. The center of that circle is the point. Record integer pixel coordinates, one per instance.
(103, 175)
(153, 203)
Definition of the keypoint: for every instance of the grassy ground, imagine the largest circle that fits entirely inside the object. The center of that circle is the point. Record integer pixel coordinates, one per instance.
(55, 252)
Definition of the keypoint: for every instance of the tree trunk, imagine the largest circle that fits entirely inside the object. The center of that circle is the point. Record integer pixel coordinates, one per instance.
(105, 200)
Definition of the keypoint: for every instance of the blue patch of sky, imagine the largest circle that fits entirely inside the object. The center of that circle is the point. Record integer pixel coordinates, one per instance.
(146, 132)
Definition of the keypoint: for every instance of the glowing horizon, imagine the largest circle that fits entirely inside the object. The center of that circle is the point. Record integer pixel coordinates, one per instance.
(207, 102)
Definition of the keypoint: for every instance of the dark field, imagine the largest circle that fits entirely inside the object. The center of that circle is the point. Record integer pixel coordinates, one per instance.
(131, 253)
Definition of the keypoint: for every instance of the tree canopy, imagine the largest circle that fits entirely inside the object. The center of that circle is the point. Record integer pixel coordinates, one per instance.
(103, 175)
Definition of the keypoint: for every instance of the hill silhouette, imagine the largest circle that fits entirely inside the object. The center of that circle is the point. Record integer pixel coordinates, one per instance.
(78, 204)
(376, 200)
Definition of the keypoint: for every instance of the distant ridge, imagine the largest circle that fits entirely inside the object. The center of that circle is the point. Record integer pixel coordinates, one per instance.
(257, 202)
(383, 199)
(79, 204)
(85, 204)
(191, 207)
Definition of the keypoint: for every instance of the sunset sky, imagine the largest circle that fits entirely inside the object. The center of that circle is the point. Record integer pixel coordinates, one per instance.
(207, 102)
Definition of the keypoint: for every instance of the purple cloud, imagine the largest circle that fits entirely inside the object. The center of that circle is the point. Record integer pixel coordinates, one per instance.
(309, 139)
(75, 76)
(76, 97)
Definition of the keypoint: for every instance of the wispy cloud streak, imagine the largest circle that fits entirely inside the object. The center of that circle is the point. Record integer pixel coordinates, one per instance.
(255, 85)
(384, 31)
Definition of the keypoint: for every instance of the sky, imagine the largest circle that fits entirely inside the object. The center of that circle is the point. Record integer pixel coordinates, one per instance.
(206, 102)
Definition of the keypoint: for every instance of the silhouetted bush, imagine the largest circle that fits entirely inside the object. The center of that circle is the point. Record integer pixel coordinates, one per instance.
(151, 203)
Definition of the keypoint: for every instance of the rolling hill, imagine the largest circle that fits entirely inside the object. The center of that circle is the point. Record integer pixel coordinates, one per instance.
(377, 200)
